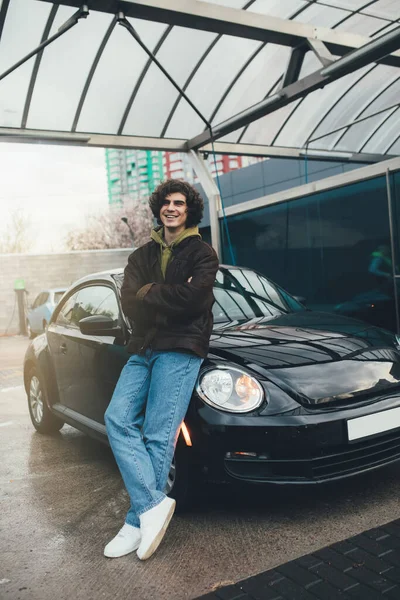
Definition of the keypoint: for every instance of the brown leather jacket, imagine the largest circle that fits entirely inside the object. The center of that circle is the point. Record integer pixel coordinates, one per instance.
(173, 314)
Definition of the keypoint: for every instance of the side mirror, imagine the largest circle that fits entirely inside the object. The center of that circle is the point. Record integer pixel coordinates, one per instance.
(100, 325)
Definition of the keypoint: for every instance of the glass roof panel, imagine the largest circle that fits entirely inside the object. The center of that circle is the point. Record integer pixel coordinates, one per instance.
(274, 89)
(385, 97)
(388, 9)
(277, 8)
(327, 142)
(386, 29)
(215, 87)
(316, 106)
(358, 97)
(264, 130)
(256, 81)
(395, 148)
(23, 30)
(115, 78)
(385, 136)
(356, 136)
(349, 4)
(66, 64)
(148, 114)
(362, 25)
(323, 16)
(209, 83)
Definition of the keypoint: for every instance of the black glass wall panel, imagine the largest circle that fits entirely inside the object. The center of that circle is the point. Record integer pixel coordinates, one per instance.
(394, 182)
(331, 248)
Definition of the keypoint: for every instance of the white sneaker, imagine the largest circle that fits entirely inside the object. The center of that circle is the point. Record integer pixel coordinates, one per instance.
(127, 540)
(153, 525)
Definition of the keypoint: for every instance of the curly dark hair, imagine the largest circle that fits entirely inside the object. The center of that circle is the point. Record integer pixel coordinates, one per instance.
(194, 201)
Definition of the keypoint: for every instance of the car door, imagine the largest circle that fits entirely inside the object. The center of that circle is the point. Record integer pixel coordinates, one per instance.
(95, 362)
(58, 337)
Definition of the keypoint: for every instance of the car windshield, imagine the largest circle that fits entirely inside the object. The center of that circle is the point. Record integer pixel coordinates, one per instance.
(243, 294)
(57, 297)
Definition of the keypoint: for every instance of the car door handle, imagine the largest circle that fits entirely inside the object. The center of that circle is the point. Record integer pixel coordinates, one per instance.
(63, 348)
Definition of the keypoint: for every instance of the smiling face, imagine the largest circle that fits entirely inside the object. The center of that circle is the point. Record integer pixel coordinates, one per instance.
(173, 213)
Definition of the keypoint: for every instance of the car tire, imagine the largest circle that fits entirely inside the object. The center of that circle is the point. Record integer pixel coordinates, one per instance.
(29, 331)
(42, 419)
(180, 483)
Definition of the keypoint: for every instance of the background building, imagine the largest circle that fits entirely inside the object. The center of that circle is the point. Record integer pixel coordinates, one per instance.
(132, 175)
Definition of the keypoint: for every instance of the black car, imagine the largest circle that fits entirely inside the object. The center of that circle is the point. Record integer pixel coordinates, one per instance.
(285, 396)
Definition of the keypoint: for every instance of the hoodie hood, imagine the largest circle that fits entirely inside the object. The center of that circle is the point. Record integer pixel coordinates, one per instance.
(157, 235)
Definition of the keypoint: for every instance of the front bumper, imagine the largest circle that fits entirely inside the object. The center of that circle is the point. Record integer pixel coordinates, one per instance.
(307, 448)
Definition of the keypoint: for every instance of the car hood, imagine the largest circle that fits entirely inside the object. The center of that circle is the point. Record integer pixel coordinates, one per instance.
(317, 358)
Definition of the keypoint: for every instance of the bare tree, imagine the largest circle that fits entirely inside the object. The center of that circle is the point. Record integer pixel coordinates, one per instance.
(109, 231)
(16, 238)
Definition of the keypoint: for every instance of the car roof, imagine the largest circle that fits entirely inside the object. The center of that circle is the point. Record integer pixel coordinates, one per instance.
(107, 275)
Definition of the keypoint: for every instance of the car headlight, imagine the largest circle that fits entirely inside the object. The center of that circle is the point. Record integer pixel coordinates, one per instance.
(230, 389)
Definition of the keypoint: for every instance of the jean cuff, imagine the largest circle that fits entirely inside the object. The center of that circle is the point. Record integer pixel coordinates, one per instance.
(152, 505)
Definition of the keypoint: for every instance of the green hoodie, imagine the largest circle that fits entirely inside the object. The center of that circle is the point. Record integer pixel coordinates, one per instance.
(157, 235)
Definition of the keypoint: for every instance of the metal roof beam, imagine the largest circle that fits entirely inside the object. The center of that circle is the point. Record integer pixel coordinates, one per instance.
(321, 52)
(293, 153)
(232, 21)
(371, 52)
(294, 65)
(39, 136)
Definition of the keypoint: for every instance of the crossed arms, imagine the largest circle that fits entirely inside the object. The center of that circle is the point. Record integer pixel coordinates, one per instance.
(169, 300)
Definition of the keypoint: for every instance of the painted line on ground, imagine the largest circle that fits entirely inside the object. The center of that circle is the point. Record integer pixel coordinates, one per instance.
(10, 389)
(6, 424)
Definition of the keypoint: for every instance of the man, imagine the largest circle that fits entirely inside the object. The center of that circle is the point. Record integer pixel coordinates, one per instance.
(167, 293)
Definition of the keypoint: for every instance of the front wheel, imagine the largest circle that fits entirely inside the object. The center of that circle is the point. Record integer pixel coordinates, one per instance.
(42, 419)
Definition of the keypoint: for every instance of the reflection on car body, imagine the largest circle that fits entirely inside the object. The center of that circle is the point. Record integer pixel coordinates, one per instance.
(277, 396)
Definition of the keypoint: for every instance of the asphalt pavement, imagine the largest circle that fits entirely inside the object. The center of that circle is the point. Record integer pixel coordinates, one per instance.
(62, 500)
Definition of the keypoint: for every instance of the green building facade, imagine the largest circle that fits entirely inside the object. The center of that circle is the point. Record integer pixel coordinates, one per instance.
(132, 175)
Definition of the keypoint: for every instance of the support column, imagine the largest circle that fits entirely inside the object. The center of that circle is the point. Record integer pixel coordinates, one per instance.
(213, 195)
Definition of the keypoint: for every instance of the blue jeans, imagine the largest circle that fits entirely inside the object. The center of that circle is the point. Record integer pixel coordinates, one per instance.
(143, 421)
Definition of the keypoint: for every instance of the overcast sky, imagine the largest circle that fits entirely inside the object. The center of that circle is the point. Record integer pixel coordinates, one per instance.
(56, 186)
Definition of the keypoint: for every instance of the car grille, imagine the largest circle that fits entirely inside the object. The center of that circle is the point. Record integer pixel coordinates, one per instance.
(343, 462)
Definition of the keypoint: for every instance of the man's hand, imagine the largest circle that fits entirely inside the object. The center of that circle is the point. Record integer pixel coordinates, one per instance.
(189, 280)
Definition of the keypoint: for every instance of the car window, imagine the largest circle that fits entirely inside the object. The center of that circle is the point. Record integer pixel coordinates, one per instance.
(242, 294)
(39, 300)
(257, 284)
(95, 300)
(36, 301)
(64, 316)
(57, 297)
(231, 306)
